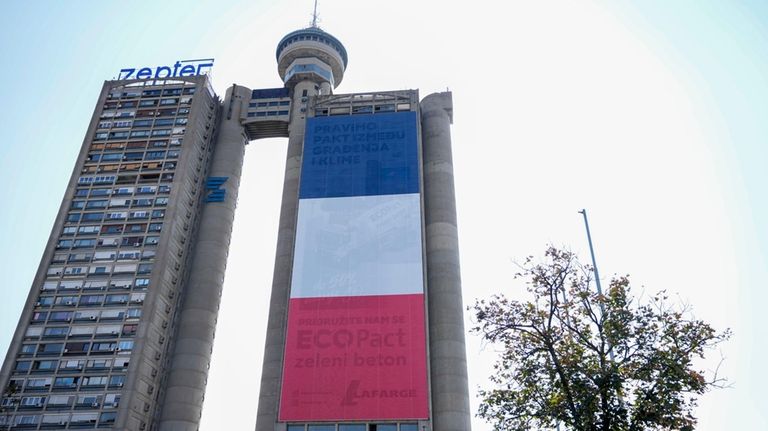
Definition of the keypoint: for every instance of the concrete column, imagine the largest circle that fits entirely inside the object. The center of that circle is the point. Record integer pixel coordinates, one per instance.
(272, 370)
(185, 386)
(448, 358)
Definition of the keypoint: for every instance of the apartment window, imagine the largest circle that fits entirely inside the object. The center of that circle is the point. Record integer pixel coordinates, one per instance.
(107, 418)
(86, 315)
(71, 285)
(116, 381)
(161, 201)
(142, 202)
(87, 300)
(123, 190)
(93, 216)
(99, 364)
(71, 365)
(112, 315)
(64, 243)
(60, 316)
(79, 243)
(95, 284)
(111, 400)
(323, 427)
(121, 284)
(117, 215)
(94, 381)
(59, 258)
(45, 301)
(65, 382)
(73, 217)
(125, 346)
(139, 214)
(145, 268)
(142, 282)
(85, 230)
(133, 313)
(158, 213)
(69, 230)
(107, 330)
(155, 227)
(103, 347)
(75, 270)
(33, 332)
(56, 332)
(39, 316)
(96, 204)
(76, 348)
(53, 420)
(119, 202)
(129, 255)
(81, 331)
(383, 427)
(83, 419)
(100, 270)
(28, 349)
(24, 421)
(146, 103)
(37, 384)
(60, 400)
(22, 366)
(117, 299)
(129, 330)
(50, 349)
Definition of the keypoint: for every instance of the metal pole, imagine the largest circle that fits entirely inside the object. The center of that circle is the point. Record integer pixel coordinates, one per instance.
(592, 252)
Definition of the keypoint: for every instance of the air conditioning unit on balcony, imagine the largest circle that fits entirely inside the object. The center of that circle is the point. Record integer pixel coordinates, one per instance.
(70, 303)
(94, 405)
(92, 317)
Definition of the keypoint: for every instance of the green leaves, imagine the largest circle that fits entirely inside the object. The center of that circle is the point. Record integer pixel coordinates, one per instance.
(588, 361)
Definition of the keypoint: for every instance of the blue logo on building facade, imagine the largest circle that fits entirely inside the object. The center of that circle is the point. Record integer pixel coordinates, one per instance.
(179, 69)
(215, 191)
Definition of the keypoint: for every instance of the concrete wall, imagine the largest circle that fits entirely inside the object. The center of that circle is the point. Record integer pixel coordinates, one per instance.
(269, 395)
(185, 387)
(448, 361)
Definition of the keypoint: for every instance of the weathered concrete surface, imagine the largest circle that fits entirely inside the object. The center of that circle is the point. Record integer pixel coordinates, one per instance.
(448, 359)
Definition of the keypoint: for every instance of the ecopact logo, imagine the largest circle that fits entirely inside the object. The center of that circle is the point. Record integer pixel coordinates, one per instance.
(179, 69)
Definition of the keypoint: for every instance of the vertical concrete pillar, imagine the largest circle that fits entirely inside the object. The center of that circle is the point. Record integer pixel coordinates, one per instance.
(272, 370)
(185, 386)
(448, 359)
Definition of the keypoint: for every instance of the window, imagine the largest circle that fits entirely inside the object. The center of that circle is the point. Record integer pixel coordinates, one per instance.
(76, 348)
(154, 155)
(125, 346)
(56, 332)
(60, 316)
(64, 243)
(145, 268)
(116, 381)
(99, 364)
(323, 427)
(40, 383)
(71, 285)
(103, 347)
(142, 123)
(93, 216)
(129, 330)
(94, 381)
(66, 382)
(33, 332)
(158, 213)
(39, 316)
(84, 243)
(71, 365)
(81, 331)
(155, 227)
(69, 230)
(75, 270)
(52, 420)
(87, 300)
(85, 315)
(111, 400)
(81, 419)
(107, 418)
(22, 366)
(45, 365)
(28, 349)
(50, 349)
(142, 202)
(59, 258)
(59, 400)
(88, 229)
(142, 283)
(117, 299)
(112, 314)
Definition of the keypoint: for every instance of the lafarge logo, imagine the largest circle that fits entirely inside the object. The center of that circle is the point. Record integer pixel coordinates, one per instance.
(179, 69)
(354, 393)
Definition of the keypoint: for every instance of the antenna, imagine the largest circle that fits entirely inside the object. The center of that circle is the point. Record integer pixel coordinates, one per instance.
(314, 16)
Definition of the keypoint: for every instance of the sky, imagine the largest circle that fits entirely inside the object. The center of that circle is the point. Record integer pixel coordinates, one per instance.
(651, 115)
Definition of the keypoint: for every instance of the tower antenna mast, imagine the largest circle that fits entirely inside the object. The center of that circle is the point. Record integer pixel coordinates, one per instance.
(314, 16)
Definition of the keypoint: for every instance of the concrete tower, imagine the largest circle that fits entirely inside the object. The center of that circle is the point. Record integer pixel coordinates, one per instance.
(367, 259)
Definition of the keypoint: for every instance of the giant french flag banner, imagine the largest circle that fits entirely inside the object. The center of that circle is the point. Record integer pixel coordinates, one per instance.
(356, 344)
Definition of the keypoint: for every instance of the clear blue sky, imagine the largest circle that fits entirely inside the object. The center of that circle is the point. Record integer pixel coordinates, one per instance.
(651, 114)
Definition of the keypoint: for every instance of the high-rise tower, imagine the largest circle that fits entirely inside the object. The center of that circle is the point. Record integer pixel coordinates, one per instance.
(365, 328)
